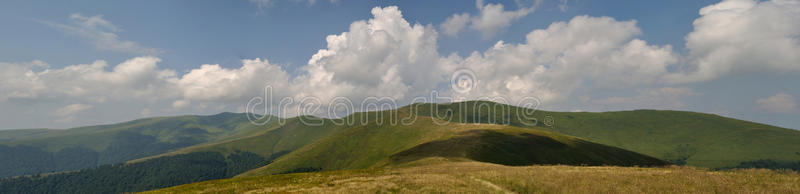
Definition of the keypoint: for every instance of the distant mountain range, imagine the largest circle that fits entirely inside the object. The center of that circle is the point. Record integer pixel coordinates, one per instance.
(465, 131)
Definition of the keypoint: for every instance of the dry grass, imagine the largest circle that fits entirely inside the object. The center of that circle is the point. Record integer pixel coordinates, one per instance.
(435, 176)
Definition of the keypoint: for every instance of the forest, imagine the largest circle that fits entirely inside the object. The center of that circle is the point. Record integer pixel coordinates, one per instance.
(146, 175)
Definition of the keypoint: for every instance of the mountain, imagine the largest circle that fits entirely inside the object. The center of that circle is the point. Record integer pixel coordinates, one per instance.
(151, 174)
(14, 134)
(690, 138)
(378, 143)
(358, 141)
(269, 142)
(46, 150)
(229, 145)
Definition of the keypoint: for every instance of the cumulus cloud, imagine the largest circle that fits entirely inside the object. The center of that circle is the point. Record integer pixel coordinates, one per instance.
(383, 56)
(779, 103)
(216, 84)
(494, 17)
(491, 19)
(137, 77)
(140, 78)
(455, 24)
(20, 80)
(740, 36)
(101, 33)
(135, 84)
(552, 62)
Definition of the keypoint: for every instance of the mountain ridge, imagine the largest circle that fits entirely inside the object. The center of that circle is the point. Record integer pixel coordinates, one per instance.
(681, 137)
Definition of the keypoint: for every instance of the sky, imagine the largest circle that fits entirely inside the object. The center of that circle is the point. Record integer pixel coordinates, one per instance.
(68, 64)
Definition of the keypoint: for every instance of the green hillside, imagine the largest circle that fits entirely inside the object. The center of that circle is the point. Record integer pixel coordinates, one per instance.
(379, 143)
(696, 139)
(42, 150)
(269, 142)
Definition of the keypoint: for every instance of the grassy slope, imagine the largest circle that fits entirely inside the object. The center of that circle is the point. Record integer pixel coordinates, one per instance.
(165, 129)
(715, 141)
(362, 146)
(709, 140)
(434, 175)
(268, 143)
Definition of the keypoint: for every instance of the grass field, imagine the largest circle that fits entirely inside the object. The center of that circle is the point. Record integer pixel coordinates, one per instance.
(438, 175)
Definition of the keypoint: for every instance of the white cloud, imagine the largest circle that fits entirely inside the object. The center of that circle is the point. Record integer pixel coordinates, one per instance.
(491, 19)
(101, 33)
(136, 84)
(88, 89)
(779, 103)
(96, 22)
(137, 77)
(71, 109)
(740, 36)
(178, 104)
(20, 80)
(454, 24)
(216, 84)
(384, 56)
(552, 62)
(494, 18)
(67, 113)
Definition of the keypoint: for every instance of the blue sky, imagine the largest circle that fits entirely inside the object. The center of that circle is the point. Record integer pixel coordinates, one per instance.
(182, 36)
(287, 32)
